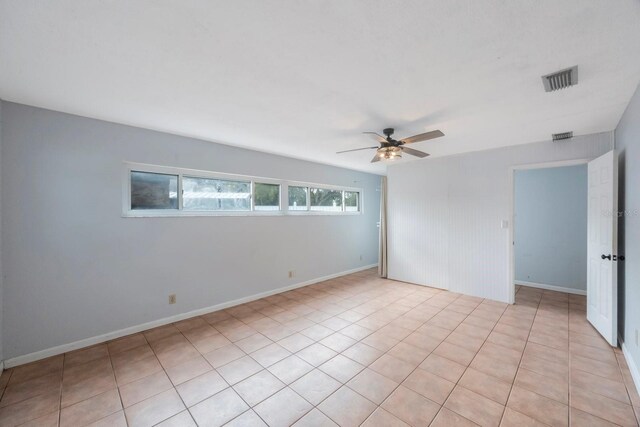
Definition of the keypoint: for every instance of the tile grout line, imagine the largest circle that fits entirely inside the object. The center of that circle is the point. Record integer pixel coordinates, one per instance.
(569, 385)
(627, 388)
(467, 366)
(475, 355)
(570, 370)
(115, 379)
(165, 372)
(526, 342)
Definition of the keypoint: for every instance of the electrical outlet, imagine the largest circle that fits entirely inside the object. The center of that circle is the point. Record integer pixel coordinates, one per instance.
(291, 273)
(172, 299)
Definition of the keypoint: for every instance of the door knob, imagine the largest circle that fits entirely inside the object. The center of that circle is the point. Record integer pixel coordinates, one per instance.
(606, 257)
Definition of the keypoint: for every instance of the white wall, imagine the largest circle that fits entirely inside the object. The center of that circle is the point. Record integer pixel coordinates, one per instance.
(445, 214)
(550, 226)
(628, 144)
(74, 268)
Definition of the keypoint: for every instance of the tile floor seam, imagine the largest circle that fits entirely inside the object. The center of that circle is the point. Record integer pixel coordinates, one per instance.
(113, 368)
(626, 389)
(151, 397)
(175, 386)
(521, 357)
(467, 367)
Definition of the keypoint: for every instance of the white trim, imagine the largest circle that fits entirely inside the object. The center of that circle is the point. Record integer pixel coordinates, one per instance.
(635, 373)
(511, 270)
(53, 351)
(551, 287)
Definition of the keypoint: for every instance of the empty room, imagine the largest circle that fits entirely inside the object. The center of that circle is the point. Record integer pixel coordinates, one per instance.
(319, 213)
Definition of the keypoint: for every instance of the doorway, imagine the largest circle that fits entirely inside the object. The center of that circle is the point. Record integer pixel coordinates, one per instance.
(601, 232)
(531, 263)
(550, 228)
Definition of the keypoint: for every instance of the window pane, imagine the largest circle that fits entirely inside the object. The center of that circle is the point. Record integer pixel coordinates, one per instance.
(351, 201)
(326, 200)
(267, 197)
(298, 198)
(205, 194)
(153, 191)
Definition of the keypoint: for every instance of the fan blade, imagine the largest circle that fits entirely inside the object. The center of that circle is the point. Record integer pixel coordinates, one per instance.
(356, 149)
(376, 158)
(376, 136)
(423, 137)
(413, 152)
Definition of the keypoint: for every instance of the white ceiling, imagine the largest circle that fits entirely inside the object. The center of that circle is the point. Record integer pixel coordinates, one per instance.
(305, 78)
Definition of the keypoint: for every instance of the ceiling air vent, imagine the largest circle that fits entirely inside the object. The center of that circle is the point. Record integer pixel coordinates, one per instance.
(561, 79)
(562, 136)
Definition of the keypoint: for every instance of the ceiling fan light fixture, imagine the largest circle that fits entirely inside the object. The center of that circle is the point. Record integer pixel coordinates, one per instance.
(391, 149)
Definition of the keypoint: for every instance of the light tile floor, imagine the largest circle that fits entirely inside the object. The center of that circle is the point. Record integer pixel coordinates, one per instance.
(355, 350)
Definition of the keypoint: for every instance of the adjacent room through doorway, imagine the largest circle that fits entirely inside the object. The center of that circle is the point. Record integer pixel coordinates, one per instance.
(550, 228)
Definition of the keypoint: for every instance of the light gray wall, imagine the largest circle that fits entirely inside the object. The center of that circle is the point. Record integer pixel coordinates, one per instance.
(628, 144)
(446, 213)
(550, 226)
(74, 268)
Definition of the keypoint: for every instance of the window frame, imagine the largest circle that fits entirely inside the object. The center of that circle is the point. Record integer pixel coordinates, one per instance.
(129, 167)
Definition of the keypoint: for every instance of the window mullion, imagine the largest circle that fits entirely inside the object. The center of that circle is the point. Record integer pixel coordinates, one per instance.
(253, 196)
(284, 197)
(180, 192)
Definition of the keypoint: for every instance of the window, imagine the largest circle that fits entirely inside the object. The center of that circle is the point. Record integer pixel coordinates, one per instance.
(204, 194)
(166, 191)
(153, 191)
(325, 200)
(267, 197)
(298, 198)
(351, 203)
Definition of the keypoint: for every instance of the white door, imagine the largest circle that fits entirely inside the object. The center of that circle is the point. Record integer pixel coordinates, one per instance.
(602, 226)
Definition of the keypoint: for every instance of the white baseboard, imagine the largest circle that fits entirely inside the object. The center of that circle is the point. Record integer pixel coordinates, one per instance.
(635, 373)
(551, 287)
(64, 348)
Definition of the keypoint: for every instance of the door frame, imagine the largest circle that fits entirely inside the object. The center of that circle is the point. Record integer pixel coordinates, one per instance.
(511, 273)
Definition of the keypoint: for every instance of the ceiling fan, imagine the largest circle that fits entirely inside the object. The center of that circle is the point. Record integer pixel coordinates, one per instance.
(391, 149)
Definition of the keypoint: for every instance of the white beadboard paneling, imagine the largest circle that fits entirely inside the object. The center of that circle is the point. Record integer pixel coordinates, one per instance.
(445, 214)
